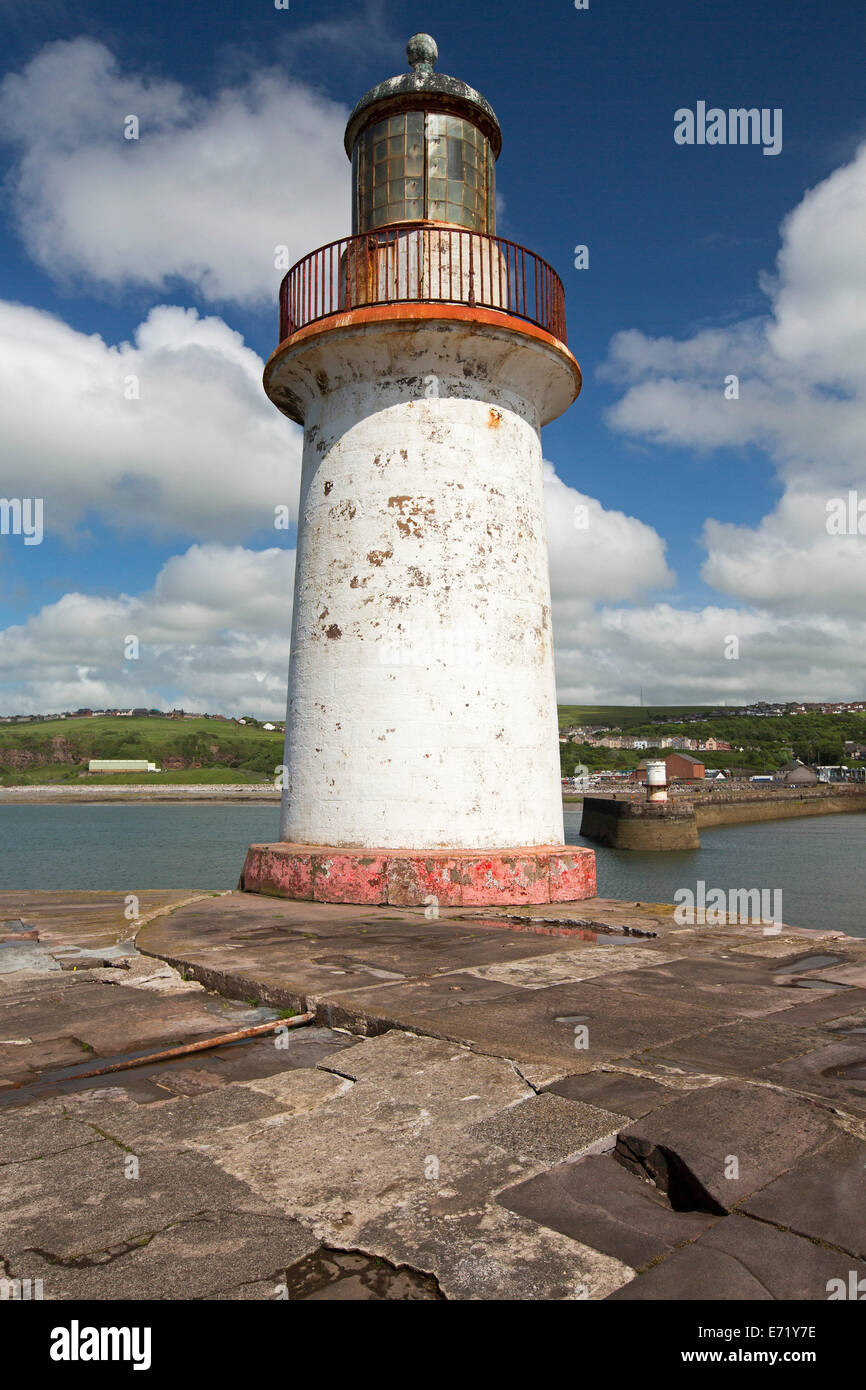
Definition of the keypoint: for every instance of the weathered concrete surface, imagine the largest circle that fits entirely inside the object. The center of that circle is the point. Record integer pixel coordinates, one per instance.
(405, 878)
(518, 1114)
(597, 1201)
(742, 1259)
(714, 1147)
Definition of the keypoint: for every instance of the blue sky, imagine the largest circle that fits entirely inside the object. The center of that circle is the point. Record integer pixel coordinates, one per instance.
(683, 246)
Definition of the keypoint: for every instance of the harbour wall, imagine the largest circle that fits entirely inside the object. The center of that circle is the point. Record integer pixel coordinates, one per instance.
(635, 824)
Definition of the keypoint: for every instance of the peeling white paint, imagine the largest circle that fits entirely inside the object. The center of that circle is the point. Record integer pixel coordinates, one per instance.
(422, 705)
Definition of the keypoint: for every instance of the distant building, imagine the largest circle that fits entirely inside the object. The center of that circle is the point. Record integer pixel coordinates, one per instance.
(797, 774)
(679, 769)
(121, 765)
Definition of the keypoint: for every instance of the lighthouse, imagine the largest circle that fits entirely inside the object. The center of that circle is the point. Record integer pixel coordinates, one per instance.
(422, 355)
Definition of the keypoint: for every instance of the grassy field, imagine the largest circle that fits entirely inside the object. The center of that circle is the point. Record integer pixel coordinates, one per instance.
(625, 717)
(211, 751)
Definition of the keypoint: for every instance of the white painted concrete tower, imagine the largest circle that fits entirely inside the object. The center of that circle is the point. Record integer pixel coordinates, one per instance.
(422, 356)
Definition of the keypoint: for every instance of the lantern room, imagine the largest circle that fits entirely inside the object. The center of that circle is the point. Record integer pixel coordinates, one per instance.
(423, 148)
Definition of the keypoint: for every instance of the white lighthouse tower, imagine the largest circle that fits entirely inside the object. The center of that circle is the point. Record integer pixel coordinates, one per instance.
(422, 355)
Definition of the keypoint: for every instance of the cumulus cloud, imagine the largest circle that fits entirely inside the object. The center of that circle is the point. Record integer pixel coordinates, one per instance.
(170, 434)
(214, 629)
(598, 554)
(680, 656)
(205, 194)
(213, 635)
(802, 400)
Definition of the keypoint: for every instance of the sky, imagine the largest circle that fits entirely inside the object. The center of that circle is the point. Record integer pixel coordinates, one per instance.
(720, 325)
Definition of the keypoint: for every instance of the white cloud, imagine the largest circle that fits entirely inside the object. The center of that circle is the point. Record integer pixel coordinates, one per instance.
(205, 194)
(802, 400)
(679, 656)
(214, 629)
(201, 452)
(598, 554)
(213, 635)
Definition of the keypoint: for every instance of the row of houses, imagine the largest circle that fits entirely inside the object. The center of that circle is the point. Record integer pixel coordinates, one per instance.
(683, 769)
(611, 740)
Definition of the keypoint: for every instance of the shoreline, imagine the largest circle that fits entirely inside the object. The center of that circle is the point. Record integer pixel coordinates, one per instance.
(742, 809)
(214, 793)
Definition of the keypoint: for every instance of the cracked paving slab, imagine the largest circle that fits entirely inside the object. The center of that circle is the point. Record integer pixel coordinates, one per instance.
(743, 1259)
(81, 1200)
(822, 1197)
(203, 1256)
(568, 967)
(29, 1134)
(598, 1202)
(392, 1165)
(713, 1147)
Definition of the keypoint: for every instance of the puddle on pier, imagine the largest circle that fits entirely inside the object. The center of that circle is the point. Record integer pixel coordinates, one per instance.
(352, 1275)
(849, 1071)
(248, 1059)
(826, 985)
(599, 933)
(810, 963)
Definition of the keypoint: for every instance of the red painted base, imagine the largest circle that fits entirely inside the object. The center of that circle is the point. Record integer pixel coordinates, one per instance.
(413, 878)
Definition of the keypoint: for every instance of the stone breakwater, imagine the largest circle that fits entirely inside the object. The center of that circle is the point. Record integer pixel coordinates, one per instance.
(635, 824)
(741, 807)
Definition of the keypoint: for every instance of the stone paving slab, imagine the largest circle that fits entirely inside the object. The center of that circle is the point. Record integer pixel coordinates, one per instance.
(205, 1256)
(541, 1023)
(79, 1202)
(549, 1128)
(822, 1197)
(744, 1260)
(348, 1158)
(713, 1147)
(836, 1074)
(738, 1049)
(486, 1252)
(569, 967)
(741, 989)
(812, 1010)
(28, 1134)
(598, 1202)
(184, 1117)
(629, 1095)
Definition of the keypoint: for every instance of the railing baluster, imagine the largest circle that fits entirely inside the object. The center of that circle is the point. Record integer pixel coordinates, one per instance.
(376, 267)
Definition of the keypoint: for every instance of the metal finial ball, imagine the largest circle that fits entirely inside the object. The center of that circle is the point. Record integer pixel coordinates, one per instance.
(422, 52)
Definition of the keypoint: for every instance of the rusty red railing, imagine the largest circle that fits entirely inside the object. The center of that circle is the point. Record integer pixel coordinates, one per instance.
(422, 263)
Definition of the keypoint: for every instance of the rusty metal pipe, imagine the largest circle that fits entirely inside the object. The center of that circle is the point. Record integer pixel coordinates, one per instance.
(202, 1046)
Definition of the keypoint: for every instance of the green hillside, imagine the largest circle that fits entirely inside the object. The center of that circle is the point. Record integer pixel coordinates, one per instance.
(189, 750)
(214, 751)
(768, 741)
